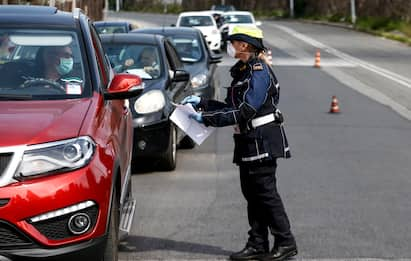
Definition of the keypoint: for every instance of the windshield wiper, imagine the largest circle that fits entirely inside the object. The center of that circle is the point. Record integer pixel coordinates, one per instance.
(15, 97)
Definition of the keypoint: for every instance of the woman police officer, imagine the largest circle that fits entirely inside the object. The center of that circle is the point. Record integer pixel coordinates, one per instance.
(259, 138)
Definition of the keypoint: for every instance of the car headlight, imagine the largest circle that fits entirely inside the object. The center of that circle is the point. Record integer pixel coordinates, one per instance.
(56, 156)
(199, 80)
(149, 102)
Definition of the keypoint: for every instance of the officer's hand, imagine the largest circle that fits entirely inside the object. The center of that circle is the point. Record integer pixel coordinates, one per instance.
(197, 117)
(194, 100)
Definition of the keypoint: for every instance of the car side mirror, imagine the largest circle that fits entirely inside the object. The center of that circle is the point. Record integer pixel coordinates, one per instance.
(124, 86)
(215, 57)
(258, 23)
(181, 76)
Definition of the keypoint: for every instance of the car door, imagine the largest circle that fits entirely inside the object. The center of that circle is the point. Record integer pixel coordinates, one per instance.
(118, 113)
(178, 88)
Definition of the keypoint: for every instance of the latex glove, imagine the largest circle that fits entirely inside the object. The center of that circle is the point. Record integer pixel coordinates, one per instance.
(194, 100)
(197, 117)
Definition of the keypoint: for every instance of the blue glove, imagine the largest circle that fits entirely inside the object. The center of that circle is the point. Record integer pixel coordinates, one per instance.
(194, 100)
(197, 117)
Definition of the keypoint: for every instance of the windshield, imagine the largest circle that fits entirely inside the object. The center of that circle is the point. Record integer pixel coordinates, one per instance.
(238, 19)
(139, 59)
(187, 47)
(41, 64)
(189, 21)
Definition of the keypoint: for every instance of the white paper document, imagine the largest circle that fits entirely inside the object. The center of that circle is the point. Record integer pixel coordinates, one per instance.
(196, 131)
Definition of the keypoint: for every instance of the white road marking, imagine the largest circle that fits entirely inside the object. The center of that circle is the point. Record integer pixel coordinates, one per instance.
(373, 68)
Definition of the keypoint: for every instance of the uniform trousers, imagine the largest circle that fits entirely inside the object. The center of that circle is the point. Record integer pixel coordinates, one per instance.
(264, 206)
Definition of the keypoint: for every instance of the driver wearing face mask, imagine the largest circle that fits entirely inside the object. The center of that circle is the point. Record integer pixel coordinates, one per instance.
(57, 62)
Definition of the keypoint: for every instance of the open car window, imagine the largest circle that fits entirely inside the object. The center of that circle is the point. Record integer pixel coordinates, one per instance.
(139, 59)
(42, 64)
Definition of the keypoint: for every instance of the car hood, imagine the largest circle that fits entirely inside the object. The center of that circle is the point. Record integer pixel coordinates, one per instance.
(34, 122)
(195, 68)
(206, 30)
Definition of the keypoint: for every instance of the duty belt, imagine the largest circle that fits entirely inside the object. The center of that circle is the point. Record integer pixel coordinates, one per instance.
(259, 121)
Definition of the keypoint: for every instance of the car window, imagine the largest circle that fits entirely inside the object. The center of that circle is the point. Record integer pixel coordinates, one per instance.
(140, 59)
(111, 29)
(189, 21)
(188, 47)
(103, 66)
(45, 64)
(238, 19)
(172, 55)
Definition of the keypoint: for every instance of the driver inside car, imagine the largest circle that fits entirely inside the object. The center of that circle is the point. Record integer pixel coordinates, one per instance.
(54, 65)
(147, 60)
(55, 62)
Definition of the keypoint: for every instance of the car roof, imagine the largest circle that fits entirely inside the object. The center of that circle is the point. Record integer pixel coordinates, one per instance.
(238, 13)
(97, 23)
(168, 30)
(196, 13)
(13, 15)
(139, 38)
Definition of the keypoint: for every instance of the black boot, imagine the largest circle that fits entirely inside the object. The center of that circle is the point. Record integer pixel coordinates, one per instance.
(281, 253)
(249, 253)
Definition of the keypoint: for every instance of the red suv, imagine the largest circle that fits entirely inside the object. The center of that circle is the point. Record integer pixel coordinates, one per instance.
(66, 139)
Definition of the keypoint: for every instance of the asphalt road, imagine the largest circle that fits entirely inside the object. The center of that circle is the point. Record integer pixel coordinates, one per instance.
(347, 187)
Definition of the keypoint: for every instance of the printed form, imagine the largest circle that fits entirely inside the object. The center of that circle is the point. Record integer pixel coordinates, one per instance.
(198, 132)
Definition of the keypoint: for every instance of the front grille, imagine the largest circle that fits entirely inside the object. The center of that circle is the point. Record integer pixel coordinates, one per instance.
(11, 237)
(4, 161)
(57, 228)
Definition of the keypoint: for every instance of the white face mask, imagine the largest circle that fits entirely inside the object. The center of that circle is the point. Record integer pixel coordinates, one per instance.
(231, 50)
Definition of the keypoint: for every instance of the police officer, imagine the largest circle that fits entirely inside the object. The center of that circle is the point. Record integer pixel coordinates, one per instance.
(259, 138)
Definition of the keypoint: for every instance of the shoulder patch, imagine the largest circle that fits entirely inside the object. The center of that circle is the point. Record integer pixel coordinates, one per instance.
(257, 67)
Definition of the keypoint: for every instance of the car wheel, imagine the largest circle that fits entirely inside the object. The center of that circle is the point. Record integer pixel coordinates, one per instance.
(168, 161)
(187, 143)
(111, 251)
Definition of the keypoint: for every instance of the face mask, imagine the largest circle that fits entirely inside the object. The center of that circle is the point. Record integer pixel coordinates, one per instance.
(65, 66)
(231, 50)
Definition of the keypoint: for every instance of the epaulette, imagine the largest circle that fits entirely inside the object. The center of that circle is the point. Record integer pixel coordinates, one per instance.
(258, 67)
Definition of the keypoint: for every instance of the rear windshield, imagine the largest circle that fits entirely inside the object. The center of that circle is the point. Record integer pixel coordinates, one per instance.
(238, 19)
(41, 64)
(189, 21)
(111, 29)
(139, 59)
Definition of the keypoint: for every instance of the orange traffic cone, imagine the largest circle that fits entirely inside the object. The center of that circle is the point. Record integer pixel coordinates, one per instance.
(334, 105)
(317, 59)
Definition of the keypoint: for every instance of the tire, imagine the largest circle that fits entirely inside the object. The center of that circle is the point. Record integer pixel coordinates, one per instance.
(111, 250)
(168, 160)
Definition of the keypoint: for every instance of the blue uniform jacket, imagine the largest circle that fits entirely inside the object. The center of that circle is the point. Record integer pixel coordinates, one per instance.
(254, 92)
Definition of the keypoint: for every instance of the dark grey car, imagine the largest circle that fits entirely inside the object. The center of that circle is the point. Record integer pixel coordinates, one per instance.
(166, 82)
